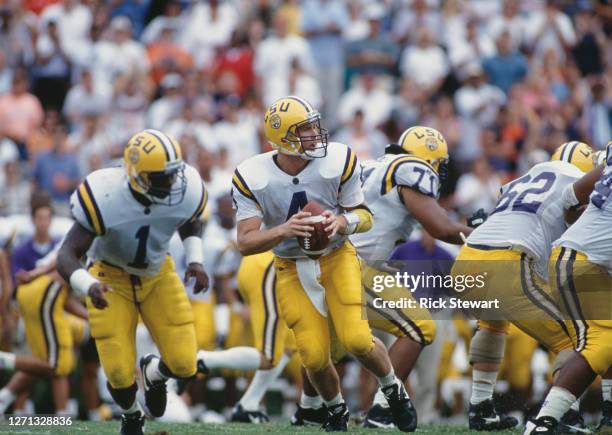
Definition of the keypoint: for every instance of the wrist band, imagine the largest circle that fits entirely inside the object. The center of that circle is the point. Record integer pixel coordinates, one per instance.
(81, 281)
(193, 250)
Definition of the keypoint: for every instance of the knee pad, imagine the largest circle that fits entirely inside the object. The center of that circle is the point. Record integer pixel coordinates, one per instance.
(178, 368)
(561, 359)
(358, 344)
(487, 347)
(124, 397)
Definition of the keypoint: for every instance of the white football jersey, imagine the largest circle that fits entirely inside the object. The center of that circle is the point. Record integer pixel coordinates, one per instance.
(393, 223)
(591, 234)
(529, 213)
(260, 188)
(130, 235)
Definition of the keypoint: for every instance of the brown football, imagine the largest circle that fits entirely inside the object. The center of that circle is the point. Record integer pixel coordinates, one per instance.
(316, 244)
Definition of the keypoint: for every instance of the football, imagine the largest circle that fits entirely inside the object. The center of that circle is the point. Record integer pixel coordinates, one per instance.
(316, 244)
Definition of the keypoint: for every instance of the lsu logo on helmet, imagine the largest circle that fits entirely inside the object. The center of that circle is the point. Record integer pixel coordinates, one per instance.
(427, 143)
(293, 127)
(154, 166)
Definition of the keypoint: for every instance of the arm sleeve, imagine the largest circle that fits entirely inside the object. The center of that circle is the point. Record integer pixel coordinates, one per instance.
(417, 175)
(350, 194)
(244, 201)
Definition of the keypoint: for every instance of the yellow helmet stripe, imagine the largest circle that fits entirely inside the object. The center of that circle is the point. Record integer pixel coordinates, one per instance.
(241, 185)
(90, 208)
(349, 166)
(201, 205)
(171, 153)
(389, 178)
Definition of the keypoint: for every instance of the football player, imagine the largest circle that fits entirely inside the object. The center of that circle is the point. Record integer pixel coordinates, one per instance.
(401, 189)
(125, 218)
(580, 267)
(512, 249)
(269, 191)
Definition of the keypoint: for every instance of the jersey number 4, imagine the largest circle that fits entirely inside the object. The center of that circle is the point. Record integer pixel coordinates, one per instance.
(298, 202)
(141, 251)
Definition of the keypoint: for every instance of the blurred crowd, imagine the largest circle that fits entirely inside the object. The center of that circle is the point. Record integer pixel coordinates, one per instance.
(506, 81)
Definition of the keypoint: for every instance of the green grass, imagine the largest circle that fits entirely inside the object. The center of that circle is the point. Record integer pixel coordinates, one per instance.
(112, 427)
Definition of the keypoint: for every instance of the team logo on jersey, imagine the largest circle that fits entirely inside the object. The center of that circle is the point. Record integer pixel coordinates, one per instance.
(275, 121)
(134, 155)
(431, 143)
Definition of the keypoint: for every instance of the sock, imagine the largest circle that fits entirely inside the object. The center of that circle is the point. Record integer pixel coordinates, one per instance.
(335, 401)
(380, 399)
(153, 372)
(237, 358)
(483, 384)
(576, 405)
(312, 402)
(606, 389)
(6, 398)
(7, 360)
(388, 379)
(557, 402)
(134, 408)
(260, 383)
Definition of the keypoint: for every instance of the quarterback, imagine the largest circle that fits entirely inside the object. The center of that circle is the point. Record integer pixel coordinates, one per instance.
(269, 191)
(125, 218)
(513, 247)
(580, 269)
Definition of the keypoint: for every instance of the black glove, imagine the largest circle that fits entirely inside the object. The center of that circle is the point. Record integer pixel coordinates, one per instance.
(477, 219)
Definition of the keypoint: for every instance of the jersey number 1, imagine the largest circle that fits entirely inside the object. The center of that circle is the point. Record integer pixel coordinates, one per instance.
(141, 251)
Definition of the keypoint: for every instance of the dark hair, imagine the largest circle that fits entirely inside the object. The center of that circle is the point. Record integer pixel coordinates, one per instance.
(40, 199)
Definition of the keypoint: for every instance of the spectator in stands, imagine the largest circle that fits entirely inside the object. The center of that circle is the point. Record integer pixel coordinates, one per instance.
(57, 171)
(477, 103)
(591, 43)
(169, 105)
(477, 189)
(236, 63)
(322, 24)
(509, 21)
(274, 55)
(87, 97)
(376, 53)
(425, 63)
(367, 142)
(299, 83)
(171, 18)
(15, 36)
(598, 116)
(41, 139)
(417, 15)
(73, 21)
(20, 112)
(369, 96)
(166, 55)
(507, 67)
(238, 138)
(15, 192)
(474, 48)
(549, 28)
(6, 73)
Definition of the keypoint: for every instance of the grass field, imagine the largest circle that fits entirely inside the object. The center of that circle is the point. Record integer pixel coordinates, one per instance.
(200, 428)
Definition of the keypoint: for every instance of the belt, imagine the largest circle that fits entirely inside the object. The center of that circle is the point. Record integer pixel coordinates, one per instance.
(487, 247)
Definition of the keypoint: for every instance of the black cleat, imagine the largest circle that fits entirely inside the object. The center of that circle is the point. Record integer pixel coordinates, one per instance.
(605, 424)
(337, 418)
(542, 426)
(571, 423)
(485, 417)
(309, 416)
(240, 415)
(404, 414)
(156, 396)
(379, 417)
(132, 424)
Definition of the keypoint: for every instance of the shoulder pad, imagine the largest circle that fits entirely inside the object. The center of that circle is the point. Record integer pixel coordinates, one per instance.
(339, 157)
(413, 172)
(254, 171)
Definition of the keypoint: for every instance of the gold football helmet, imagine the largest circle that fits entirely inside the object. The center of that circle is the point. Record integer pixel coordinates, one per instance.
(154, 166)
(426, 143)
(577, 153)
(293, 127)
